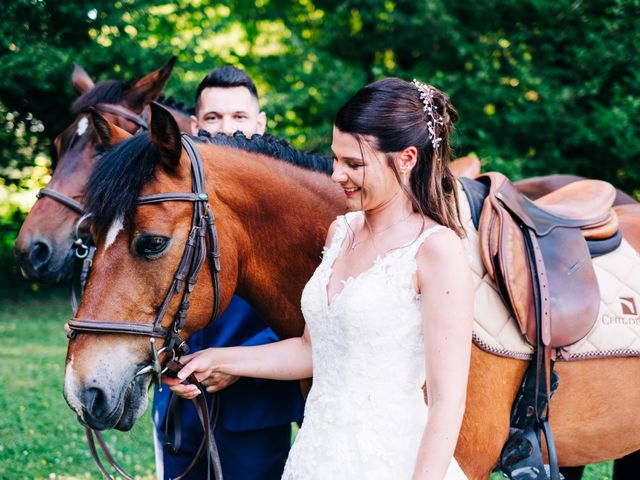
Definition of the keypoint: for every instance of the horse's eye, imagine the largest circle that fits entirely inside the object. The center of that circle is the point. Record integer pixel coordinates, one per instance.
(151, 246)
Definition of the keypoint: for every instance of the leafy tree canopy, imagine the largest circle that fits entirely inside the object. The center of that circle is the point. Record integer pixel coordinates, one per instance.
(542, 86)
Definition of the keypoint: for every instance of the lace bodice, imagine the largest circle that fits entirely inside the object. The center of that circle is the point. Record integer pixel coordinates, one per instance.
(365, 413)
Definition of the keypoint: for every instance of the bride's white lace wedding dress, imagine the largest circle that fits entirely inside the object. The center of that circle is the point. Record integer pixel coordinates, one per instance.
(365, 414)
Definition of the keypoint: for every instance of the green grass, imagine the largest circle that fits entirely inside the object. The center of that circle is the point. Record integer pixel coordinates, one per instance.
(40, 437)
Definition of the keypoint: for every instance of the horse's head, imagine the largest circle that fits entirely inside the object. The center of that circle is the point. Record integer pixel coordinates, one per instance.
(44, 247)
(149, 254)
(151, 218)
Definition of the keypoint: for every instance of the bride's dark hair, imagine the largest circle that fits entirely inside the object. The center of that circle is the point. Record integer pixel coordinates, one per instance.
(392, 112)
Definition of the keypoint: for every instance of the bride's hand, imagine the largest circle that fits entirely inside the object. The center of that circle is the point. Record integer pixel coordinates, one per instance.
(203, 365)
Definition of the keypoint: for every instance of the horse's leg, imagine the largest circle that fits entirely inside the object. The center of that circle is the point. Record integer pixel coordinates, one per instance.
(493, 384)
(594, 413)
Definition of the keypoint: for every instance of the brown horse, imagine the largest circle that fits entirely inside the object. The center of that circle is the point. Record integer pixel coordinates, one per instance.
(271, 221)
(43, 247)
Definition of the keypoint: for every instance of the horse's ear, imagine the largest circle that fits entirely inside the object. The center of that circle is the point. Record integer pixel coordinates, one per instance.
(108, 133)
(149, 87)
(80, 79)
(165, 136)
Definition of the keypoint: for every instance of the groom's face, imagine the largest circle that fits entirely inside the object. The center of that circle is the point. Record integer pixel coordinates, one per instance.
(228, 110)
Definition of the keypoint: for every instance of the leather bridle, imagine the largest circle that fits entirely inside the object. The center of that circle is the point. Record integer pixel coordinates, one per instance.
(82, 248)
(124, 112)
(203, 232)
(193, 257)
(62, 198)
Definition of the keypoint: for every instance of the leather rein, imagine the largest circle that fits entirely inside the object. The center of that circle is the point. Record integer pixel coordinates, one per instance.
(201, 244)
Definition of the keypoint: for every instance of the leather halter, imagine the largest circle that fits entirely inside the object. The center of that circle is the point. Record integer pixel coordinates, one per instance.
(123, 112)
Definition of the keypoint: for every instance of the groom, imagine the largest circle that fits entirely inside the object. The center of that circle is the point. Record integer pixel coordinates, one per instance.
(253, 431)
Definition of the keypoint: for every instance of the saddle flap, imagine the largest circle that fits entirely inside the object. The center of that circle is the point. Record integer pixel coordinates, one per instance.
(573, 286)
(512, 271)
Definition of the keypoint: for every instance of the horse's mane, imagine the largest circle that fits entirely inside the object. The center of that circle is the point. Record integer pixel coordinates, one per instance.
(273, 147)
(115, 183)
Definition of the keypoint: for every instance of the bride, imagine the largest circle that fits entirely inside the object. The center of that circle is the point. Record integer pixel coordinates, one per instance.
(388, 309)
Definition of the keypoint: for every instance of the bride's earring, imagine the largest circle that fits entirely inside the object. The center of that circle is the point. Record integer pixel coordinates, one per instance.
(404, 173)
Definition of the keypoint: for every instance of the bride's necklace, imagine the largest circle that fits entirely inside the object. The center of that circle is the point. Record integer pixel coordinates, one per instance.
(373, 234)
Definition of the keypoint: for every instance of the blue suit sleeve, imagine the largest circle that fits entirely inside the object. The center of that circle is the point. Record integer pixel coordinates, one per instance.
(261, 338)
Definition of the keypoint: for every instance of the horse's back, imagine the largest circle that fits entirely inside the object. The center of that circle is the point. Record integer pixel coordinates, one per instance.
(629, 218)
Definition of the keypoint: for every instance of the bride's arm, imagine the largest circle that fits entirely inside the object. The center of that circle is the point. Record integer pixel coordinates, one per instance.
(444, 280)
(288, 359)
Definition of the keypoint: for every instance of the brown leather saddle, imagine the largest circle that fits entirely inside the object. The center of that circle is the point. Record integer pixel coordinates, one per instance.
(537, 254)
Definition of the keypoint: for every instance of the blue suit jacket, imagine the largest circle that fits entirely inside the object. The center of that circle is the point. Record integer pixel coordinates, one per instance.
(250, 403)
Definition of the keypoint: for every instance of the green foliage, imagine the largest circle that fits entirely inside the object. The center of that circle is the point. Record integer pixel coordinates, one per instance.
(541, 86)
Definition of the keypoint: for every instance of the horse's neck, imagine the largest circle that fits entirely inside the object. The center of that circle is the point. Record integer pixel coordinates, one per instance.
(284, 213)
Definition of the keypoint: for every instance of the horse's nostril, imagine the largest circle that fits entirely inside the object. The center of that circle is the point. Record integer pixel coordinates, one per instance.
(40, 255)
(96, 402)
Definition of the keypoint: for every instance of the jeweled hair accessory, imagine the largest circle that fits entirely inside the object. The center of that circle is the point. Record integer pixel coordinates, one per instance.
(434, 118)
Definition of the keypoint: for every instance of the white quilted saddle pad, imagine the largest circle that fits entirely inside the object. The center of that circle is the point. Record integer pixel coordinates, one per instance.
(615, 333)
